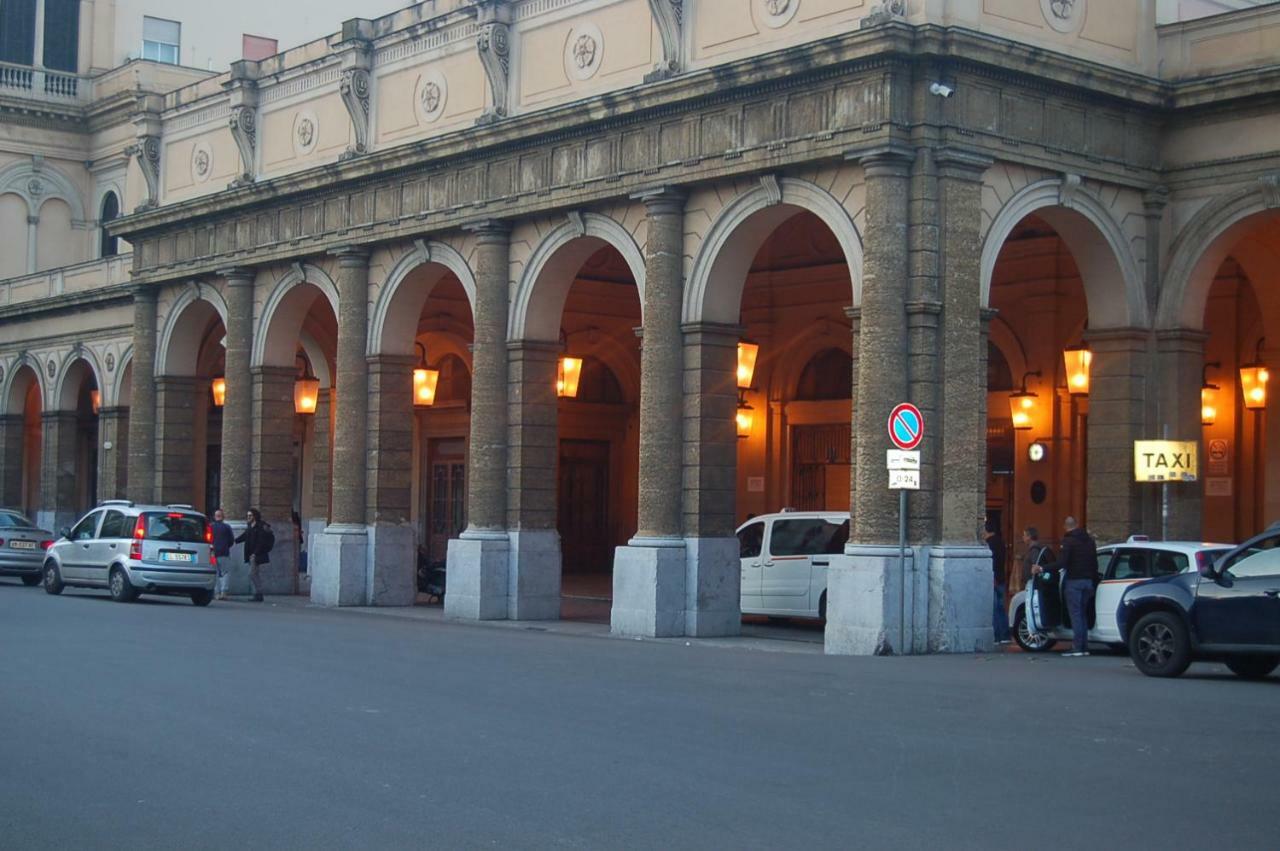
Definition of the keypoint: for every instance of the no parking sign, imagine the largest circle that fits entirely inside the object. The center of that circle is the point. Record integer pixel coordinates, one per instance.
(906, 426)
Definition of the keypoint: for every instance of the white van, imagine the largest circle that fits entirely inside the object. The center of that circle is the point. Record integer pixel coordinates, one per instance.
(784, 561)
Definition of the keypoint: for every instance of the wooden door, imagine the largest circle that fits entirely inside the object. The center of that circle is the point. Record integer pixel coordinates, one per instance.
(820, 467)
(446, 496)
(583, 506)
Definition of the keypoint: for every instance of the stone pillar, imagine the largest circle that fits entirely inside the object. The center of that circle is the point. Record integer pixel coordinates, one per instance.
(142, 419)
(1271, 439)
(339, 572)
(321, 464)
(649, 573)
(1181, 370)
(865, 587)
(959, 577)
(271, 469)
(175, 437)
(477, 561)
(113, 453)
(393, 556)
(1117, 402)
(237, 408)
(58, 471)
(12, 427)
(533, 591)
(713, 577)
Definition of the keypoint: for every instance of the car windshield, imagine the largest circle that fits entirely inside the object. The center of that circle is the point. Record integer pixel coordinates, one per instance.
(173, 526)
(14, 520)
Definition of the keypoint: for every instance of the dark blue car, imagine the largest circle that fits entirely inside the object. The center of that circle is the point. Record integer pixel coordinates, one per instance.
(1228, 612)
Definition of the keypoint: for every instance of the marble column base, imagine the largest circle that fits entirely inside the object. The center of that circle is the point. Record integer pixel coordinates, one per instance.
(960, 600)
(713, 587)
(476, 575)
(649, 590)
(533, 572)
(867, 614)
(393, 566)
(338, 562)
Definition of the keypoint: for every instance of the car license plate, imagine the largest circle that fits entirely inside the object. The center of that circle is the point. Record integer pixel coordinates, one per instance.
(23, 545)
(171, 555)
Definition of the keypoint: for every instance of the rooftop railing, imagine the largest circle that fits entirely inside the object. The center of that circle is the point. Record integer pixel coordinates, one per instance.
(43, 84)
(64, 280)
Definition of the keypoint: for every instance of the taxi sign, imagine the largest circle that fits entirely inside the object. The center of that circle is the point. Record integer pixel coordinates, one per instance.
(1165, 461)
(906, 426)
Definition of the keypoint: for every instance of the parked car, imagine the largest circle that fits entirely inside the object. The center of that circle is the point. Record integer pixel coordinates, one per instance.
(134, 549)
(784, 561)
(1039, 613)
(22, 546)
(1228, 611)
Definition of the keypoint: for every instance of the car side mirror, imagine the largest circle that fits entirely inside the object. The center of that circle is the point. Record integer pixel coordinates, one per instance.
(64, 532)
(1207, 571)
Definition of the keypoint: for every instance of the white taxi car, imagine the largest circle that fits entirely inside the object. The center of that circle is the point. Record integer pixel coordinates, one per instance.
(1039, 615)
(784, 561)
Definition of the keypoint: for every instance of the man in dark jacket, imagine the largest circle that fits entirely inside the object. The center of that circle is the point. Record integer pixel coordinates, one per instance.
(1079, 560)
(1037, 556)
(257, 550)
(223, 539)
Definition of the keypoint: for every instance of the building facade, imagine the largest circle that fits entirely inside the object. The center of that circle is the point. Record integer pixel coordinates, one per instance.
(1049, 223)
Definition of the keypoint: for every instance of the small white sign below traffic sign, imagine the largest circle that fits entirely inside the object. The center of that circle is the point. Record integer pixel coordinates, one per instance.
(904, 480)
(898, 459)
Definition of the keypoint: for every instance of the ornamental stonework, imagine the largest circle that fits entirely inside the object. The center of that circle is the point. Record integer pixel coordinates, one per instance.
(306, 132)
(201, 162)
(431, 97)
(584, 51)
(1064, 16)
(776, 13)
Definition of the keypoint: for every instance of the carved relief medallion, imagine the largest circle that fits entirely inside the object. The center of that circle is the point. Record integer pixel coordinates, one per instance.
(201, 162)
(306, 132)
(432, 94)
(584, 51)
(776, 13)
(52, 369)
(111, 362)
(1064, 16)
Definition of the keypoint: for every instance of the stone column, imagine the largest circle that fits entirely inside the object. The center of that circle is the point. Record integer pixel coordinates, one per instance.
(321, 464)
(532, 459)
(1117, 402)
(58, 471)
(477, 561)
(237, 408)
(339, 574)
(12, 427)
(649, 573)
(1181, 369)
(393, 556)
(1271, 438)
(113, 453)
(713, 578)
(271, 469)
(959, 577)
(865, 588)
(175, 437)
(142, 419)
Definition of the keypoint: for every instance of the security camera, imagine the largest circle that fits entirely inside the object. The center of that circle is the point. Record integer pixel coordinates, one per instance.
(941, 90)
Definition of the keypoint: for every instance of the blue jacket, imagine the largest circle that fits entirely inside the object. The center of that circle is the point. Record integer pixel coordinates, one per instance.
(223, 538)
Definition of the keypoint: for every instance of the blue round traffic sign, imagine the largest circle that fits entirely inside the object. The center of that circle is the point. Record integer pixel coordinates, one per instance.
(906, 426)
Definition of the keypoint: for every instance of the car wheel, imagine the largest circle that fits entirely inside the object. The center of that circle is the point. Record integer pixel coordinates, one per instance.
(202, 598)
(1160, 645)
(1253, 667)
(31, 581)
(1032, 642)
(52, 579)
(122, 590)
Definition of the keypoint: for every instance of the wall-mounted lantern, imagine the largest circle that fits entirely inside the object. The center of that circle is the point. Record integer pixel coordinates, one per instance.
(95, 401)
(425, 380)
(219, 389)
(1022, 404)
(1253, 381)
(568, 373)
(1077, 359)
(747, 354)
(306, 388)
(1208, 395)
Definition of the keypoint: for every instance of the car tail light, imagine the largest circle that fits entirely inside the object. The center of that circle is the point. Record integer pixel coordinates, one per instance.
(44, 545)
(1, 542)
(139, 534)
(208, 534)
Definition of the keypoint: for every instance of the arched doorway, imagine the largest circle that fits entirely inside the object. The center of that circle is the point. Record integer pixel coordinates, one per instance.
(71, 446)
(23, 433)
(108, 245)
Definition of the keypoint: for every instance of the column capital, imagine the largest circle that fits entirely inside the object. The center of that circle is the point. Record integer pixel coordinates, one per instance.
(553, 346)
(1117, 339)
(392, 360)
(890, 160)
(237, 275)
(986, 314)
(1154, 200)
(489, 230)
(145, 292)
(276, 371)
(961, 164)
(662, 199)
(710, 331)
(1185, 339)
(351, 255)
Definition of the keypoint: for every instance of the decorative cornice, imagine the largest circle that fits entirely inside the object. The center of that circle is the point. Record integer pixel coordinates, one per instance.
(355, 89)
(147, 152)
(669, 17)
(244, 129)
(493, 42)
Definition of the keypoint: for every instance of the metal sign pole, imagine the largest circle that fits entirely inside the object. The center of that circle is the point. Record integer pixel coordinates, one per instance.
(902, 564)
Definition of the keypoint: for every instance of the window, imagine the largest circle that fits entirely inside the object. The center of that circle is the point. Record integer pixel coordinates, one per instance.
(114, 526)
(14, 520)
(751, 540)
(17, 31)
(61, 34)
(110, 210)
(184, 528)
(807, 537)
(85, 528)
(1144, 564)
(161, 40)
(1261, 559)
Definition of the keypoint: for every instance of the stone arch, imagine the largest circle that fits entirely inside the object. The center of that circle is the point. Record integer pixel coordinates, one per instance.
(122, 391)
(1200, 249)
(1003, 338)
(553, 266)
(67, 392)
(1096, 241)
(37, 185)
(186, 319)
(280, 322)
(795, 354)
(396, 315)
(315, 354)
(714, 291)
(20, 374)
(622, 362)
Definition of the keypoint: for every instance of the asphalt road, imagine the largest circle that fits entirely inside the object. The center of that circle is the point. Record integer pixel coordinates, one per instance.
(160, 725)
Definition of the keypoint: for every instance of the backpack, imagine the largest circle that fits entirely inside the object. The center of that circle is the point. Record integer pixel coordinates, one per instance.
(266, 539)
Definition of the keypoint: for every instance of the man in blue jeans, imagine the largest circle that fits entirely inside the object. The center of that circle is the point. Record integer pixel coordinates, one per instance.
(1079, 559)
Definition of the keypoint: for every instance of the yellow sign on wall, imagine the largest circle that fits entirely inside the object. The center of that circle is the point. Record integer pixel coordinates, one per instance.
(1165, 461)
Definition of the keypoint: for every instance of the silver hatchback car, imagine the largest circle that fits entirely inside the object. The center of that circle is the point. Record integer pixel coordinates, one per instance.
(134, 549)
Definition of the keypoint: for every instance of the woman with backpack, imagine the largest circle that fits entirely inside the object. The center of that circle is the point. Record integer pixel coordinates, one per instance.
(258, 540)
